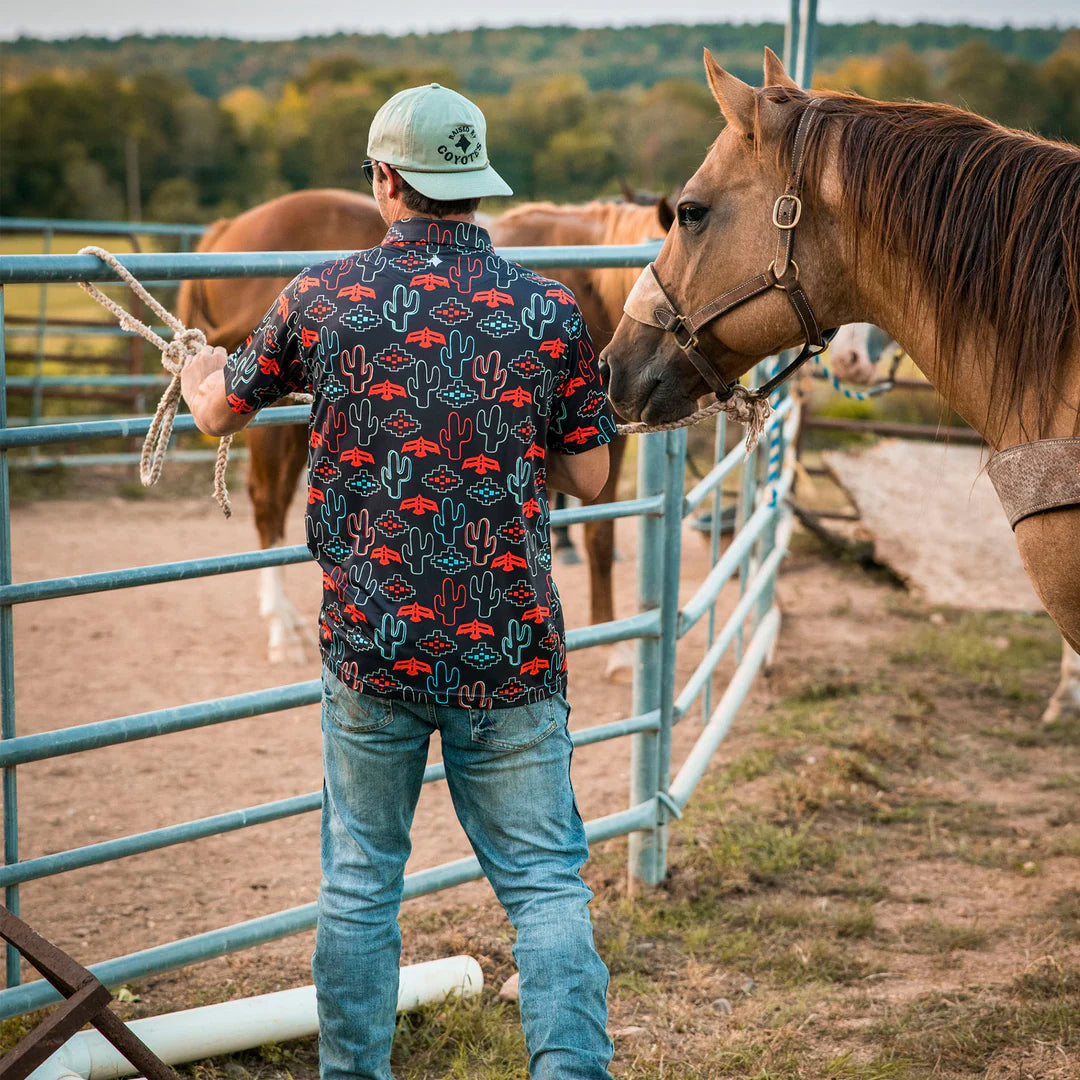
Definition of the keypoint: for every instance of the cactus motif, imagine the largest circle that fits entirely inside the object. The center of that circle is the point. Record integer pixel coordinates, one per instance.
(465, 272)
(544, 390)
(328, 348)
(449, 520)
(457, 353)
(404, 305)
(396, 471)
(362, 533)
(518, 638)
(332, 512)
(444, 682)
(424, 381)
(538, 316)
(532, 550)
(356, 368)
(489, 373)
(480, 542)
(370, 264)
(551, 673)
(472, 697)
(419, 546)
(504, 271)
(336, 650)
(490, 424)
(456, 436)
(332, 273)
(607, 426)
(518, 481)
(482, 590)
(362, 579)
(390, 635)
(333, 429)
(362, 419)
(449, 601)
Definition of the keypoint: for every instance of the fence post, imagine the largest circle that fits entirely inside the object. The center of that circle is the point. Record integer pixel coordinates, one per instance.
(661, 467)
(7, 671)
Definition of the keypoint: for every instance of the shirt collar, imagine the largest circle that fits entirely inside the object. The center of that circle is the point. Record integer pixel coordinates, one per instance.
(464, 235)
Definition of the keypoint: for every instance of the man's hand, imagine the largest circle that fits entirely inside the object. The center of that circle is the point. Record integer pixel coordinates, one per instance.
(205, 362)
(202, 383)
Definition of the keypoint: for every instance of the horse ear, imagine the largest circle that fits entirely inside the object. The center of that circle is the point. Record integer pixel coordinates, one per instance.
(628, 193)
(736, 99)
(665, 212)
(775, 74)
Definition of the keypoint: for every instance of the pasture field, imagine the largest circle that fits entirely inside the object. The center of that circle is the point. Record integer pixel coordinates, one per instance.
(879, 879)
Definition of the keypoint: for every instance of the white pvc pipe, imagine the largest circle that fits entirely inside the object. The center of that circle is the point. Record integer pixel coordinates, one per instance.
(245, 1023)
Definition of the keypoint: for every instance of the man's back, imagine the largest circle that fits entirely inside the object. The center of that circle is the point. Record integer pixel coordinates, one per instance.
(443, 375)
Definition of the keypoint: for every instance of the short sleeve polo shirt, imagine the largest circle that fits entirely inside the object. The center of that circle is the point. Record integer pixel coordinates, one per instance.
(442, 376)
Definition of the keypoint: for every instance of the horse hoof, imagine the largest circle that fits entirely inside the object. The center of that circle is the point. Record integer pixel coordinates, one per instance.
(1061, 713)
(620, 661)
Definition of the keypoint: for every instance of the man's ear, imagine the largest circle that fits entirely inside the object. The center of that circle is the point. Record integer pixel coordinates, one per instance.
(775, 73)
(393, 184)
(736, 99)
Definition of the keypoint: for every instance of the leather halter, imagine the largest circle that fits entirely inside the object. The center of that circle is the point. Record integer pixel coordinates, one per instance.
(650, 303)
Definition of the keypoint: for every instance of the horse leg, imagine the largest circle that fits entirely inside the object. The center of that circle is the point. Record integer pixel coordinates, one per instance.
(600, 552)
(561, 544)
(277, 457)
(1065, 702)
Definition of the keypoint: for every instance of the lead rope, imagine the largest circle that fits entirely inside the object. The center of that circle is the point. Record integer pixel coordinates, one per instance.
(175, 355)
(744, 406)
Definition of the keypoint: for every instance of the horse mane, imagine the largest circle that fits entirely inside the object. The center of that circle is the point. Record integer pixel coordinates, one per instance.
(988, 216)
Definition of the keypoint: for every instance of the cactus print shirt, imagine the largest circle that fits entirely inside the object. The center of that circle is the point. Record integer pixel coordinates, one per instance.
(443, 375)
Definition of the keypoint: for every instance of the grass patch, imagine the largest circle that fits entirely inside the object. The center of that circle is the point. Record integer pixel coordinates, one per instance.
(934, 936)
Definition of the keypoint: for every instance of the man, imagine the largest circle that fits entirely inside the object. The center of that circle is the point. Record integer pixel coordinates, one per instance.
(451, 388)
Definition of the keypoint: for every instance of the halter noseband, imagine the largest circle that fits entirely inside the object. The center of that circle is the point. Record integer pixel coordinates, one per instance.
(650, 303)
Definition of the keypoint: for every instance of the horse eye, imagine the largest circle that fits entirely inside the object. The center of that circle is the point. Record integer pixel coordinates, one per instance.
(691, 216)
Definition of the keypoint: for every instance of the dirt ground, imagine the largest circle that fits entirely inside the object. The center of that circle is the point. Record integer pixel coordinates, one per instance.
(879, 879)
(84, 659)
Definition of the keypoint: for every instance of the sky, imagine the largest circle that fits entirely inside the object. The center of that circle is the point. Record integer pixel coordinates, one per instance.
(258, 19)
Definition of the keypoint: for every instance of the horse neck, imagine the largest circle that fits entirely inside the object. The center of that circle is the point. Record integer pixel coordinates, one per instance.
(892, 298)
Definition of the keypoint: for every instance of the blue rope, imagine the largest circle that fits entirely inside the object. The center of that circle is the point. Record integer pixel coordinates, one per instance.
(873, 391)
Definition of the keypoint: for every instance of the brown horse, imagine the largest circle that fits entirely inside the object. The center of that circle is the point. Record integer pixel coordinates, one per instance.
(228, 309)
(600, 295)
(971, 231)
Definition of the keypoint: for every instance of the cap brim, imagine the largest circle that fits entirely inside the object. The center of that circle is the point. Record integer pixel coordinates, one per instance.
(449, 186)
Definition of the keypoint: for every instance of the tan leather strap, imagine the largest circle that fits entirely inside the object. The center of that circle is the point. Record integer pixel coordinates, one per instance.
(1036, 476)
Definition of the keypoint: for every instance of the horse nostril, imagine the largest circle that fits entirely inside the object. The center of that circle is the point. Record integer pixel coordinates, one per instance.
(605, 368)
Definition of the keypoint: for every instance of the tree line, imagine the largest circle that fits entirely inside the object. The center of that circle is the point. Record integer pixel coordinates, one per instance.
(92, 127)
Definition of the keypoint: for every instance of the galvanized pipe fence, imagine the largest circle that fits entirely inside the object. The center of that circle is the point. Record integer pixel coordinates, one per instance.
(73, 343)
(745, 625)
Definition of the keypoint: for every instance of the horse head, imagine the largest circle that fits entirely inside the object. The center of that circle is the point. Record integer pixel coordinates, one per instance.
(731, 218)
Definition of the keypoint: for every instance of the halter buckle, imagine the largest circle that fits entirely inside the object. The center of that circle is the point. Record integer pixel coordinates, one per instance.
(777, 208)
(779, 282)
(691, 341)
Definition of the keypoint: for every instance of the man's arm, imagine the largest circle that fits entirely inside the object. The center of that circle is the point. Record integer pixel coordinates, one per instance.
(202, 382)
(581, 475)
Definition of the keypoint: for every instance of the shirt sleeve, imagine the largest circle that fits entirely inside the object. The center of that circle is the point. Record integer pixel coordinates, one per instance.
(270, 362)
(582, 417)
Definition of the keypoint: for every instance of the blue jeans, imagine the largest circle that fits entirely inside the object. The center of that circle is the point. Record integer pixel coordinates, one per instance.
(509, 776)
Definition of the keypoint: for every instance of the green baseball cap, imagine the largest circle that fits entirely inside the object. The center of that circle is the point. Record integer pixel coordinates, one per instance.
(437, 140)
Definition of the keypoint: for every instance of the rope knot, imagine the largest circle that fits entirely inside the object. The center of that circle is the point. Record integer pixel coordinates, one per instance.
(185, 344)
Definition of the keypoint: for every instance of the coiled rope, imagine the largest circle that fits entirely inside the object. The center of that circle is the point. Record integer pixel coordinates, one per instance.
(744, 406)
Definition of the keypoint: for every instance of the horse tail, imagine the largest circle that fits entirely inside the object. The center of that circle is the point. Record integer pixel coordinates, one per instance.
(192, 302)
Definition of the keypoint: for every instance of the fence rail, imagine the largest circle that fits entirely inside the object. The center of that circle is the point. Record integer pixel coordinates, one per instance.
(752, 558)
